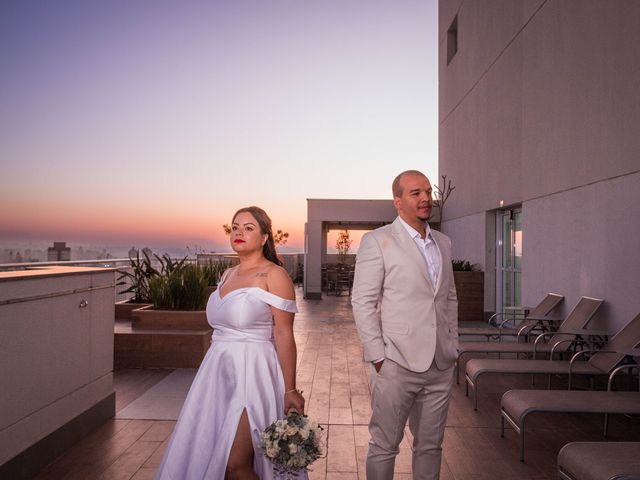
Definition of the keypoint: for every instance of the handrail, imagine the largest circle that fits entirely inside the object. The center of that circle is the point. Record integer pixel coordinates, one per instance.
(103, 262)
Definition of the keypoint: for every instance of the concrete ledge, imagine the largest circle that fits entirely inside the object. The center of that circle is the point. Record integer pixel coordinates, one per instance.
(27, 464)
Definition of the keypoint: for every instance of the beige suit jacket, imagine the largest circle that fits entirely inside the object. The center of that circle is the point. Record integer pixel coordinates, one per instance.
(398, 312)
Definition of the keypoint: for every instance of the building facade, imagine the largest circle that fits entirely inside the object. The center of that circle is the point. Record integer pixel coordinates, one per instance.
(326, 214)
(58, 252)
(539, 119)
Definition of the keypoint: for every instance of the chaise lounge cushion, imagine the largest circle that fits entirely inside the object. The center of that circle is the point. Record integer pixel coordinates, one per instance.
(519, 403)
(600, 460)
(479, 366)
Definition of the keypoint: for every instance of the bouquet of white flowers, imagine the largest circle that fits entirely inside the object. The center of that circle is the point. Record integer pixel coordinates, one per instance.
(292, 443)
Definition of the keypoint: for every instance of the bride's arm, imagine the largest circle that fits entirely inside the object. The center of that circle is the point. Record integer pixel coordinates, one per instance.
(281, 285)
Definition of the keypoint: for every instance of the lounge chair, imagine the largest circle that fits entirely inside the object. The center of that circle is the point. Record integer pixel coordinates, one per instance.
(601, 363)
(584, 310)
(516, 405)
(506, 327)
(599, 461)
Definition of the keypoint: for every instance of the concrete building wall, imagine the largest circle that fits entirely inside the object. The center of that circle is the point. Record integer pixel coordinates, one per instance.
(539, 108)
(588, 244)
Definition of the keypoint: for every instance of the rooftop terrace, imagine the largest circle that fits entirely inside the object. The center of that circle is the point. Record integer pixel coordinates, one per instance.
(335, 383)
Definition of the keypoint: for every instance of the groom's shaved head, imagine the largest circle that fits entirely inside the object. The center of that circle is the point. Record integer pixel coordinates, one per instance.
(396, 188)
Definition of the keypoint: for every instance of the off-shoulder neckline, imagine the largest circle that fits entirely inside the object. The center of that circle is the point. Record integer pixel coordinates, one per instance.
(251, 288)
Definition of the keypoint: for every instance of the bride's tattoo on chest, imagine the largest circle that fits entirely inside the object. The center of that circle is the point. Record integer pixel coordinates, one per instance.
(261, 274)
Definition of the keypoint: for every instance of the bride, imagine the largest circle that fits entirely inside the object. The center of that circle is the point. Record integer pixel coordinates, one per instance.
(247, 379)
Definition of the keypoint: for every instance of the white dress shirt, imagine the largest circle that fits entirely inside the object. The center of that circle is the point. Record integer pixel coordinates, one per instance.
(428, 248)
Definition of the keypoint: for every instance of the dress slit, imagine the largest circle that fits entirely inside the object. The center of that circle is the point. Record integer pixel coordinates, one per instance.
(232, 440)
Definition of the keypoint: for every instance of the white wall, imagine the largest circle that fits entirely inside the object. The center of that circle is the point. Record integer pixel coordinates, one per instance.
(589, 244)
(581, 113)
(468, 226)
(539, 108)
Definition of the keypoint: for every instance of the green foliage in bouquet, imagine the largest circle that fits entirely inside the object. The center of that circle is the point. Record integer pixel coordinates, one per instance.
(181, 287)
(138, 278)
(292, 443)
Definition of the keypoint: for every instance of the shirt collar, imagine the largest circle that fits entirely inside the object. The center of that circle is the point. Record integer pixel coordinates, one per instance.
(414, 233)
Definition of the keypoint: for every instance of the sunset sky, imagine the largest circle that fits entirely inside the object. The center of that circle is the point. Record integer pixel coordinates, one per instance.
(149, 122)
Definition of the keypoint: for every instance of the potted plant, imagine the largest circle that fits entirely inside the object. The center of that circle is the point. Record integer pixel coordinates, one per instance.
(178, 299)
(136, 279)
(172, 331)
(469, 282)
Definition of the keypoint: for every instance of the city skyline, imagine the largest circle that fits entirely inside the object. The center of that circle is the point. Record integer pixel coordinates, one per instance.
(150, 123)
(20, 250)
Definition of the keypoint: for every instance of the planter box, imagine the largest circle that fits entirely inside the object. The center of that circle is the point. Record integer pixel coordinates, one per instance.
(470, 289)
(124, 308)
(147, 318)
(160, 348)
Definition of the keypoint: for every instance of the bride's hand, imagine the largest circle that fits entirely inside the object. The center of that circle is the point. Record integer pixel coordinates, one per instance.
(294, 400)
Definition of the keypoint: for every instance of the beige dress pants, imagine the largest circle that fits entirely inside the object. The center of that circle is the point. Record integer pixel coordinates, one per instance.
(423, 398)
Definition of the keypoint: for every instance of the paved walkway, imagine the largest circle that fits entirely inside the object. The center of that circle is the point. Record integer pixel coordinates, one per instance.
(335, 383)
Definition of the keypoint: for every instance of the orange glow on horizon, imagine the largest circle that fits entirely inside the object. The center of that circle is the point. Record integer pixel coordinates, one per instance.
(128, 225)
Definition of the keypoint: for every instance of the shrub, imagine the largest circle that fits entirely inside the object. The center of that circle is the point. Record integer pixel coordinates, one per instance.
(138, 278)
(464, 266)
(213, 270)
(182, 287)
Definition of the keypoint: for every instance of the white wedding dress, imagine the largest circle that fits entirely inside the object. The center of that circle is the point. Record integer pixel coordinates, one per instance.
(240, 371)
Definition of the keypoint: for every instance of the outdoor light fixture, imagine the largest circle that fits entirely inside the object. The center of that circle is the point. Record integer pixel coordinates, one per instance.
(501, 203)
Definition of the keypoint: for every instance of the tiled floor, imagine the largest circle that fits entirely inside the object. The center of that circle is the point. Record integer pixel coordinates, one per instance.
(335, 384)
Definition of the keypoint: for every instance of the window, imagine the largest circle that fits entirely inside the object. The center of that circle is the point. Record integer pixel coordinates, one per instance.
(452, 40)
(508, 259)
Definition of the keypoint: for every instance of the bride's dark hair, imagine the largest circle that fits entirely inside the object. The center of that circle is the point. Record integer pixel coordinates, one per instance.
(269, 247)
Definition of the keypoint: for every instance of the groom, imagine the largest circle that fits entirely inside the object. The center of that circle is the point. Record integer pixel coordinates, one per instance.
(406, 311)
